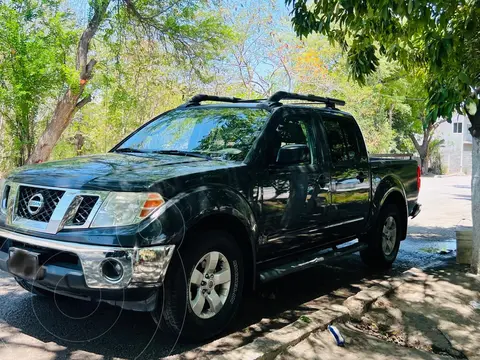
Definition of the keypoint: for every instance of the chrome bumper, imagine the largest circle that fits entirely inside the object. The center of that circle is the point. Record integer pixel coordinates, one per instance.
(141, 266)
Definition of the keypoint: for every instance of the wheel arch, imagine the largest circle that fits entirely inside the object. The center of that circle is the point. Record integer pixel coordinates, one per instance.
(390, 191)
(240, 232)
(395, 197)
(216, 207)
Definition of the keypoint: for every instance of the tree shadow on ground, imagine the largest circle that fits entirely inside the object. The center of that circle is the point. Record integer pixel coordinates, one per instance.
(72, 328)
(431, 313)
(77, 327)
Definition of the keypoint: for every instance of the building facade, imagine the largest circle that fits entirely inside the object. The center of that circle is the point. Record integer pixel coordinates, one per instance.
(456, 152)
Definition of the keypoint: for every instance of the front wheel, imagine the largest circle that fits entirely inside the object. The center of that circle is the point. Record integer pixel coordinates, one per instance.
(384, 240)
(203, 287)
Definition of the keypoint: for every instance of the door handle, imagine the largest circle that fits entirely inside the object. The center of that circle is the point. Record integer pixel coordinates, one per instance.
(361, 177)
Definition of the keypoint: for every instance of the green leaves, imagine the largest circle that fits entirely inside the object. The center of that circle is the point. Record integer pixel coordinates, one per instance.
(35, 43)
(464, 78)
(471, 106)
(362, 61)
(440, 36)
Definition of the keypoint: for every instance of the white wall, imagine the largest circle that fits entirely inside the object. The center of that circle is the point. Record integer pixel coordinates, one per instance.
(456, 153)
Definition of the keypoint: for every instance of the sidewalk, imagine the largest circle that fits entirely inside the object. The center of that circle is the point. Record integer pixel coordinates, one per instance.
(429, 316)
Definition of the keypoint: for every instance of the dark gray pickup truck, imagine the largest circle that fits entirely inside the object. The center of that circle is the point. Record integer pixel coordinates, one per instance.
(201, 204)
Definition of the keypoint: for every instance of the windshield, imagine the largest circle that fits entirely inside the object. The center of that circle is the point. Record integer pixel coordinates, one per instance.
(223, 133)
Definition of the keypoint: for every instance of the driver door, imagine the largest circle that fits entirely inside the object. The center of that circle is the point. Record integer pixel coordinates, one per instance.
(294, 197)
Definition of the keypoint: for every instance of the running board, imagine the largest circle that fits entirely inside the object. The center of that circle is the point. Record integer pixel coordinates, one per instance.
(309, 261)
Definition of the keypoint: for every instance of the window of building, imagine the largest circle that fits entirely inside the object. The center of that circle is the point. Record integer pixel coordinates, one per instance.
(458, 127)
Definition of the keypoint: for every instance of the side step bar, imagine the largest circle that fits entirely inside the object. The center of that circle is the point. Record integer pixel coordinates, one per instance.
(308, 261)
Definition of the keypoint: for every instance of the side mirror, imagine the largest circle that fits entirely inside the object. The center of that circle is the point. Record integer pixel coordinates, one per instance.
(293, 154)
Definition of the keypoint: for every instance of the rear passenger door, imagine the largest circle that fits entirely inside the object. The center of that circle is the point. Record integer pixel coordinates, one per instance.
(350, 179)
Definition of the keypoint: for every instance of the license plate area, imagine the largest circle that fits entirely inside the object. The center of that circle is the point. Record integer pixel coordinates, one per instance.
(25, 264)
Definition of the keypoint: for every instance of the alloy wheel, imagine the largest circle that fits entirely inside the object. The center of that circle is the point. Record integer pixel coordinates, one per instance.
(209, 285)
(389, 235)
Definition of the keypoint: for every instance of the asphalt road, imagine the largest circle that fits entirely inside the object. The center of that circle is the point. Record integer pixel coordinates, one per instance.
(32, 327)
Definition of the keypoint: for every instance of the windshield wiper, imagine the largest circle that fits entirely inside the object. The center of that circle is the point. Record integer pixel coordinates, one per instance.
(131, 150)
(182, 153)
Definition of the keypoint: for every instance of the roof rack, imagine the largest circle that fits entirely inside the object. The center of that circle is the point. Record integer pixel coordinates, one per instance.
(275, 98)
(197, 99)
(283, 95)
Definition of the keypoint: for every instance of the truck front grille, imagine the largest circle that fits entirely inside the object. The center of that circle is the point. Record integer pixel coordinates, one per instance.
(84, 210)
(51, 198)
(50, 209)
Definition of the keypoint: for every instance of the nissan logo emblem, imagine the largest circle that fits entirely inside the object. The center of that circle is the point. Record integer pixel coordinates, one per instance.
(35, 204)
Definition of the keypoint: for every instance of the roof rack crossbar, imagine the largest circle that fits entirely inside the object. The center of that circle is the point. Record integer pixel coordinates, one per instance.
(197, 99)
(283, 95)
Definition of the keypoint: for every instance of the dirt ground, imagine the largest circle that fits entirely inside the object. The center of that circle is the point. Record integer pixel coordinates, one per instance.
(431, 316)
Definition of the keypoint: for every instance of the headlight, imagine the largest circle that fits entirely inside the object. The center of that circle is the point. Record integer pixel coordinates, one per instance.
(123, 208)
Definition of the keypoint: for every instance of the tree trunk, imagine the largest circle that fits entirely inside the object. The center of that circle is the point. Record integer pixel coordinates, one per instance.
(61, 118)
(475, 131)
(424, 164)
(70, 102)
(390, 115)
(423, 148)
(476, 204)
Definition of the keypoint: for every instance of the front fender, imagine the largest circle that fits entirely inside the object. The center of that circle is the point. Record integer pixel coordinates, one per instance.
(186, 209)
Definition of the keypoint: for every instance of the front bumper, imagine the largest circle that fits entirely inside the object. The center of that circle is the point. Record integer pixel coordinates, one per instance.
(77, 268)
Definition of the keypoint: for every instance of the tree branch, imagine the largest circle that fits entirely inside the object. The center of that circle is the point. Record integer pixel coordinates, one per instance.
(433, 128)
(89, 69)
(415, 142)
(100, 10)
(437, 124)
(83, 102)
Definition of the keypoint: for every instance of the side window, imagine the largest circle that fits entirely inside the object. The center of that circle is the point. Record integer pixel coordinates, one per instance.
(336, 140)
(344, 140)
(294, 128)
(354, 140)
(292, 132)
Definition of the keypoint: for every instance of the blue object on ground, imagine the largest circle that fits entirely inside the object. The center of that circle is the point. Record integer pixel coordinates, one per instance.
(336, 335)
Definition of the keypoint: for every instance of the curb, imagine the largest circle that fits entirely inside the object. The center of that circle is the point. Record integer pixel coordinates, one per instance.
(272, 344)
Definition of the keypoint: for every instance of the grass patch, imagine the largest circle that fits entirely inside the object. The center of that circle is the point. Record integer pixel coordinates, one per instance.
(305, 319)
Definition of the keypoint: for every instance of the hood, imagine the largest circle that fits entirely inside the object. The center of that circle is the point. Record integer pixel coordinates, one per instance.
(114, 171)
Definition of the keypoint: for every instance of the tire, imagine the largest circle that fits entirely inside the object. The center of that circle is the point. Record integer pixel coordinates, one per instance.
(33, 289)
(187, 311)
(383, 240)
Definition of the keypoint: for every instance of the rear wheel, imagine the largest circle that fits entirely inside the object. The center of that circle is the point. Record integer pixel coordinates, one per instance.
(384, 240)
(203, 287)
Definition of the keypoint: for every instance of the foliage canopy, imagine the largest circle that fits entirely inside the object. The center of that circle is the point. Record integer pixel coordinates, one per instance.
(442, 36)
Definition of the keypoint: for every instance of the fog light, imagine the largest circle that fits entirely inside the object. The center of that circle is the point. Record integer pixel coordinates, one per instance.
(112, 270)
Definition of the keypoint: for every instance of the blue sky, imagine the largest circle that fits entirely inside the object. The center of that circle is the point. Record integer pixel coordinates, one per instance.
(278, 7)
